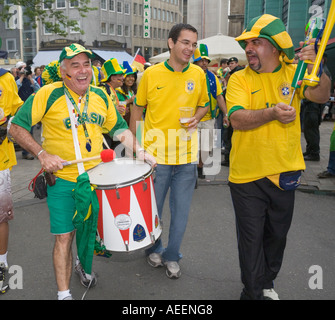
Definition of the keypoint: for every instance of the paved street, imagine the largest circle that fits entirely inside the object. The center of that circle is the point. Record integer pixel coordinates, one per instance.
(210, 269)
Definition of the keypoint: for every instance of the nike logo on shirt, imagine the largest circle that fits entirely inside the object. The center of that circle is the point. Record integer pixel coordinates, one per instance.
(255, 91)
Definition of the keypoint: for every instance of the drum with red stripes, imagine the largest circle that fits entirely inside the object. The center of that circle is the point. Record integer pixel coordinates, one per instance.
(128, 217)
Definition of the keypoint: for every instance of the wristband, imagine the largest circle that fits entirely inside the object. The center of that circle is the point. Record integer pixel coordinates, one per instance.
(38, 154)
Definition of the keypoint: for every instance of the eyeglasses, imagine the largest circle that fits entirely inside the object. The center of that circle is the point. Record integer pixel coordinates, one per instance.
(187, 43)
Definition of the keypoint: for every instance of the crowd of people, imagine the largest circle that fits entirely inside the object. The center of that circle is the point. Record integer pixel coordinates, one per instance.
(103, 104)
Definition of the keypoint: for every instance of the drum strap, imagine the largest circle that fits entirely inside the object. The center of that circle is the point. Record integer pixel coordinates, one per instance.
(81, 168)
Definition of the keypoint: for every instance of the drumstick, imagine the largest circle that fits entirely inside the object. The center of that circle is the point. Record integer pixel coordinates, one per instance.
(105, 156)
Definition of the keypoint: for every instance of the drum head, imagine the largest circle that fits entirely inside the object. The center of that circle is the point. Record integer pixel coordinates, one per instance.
(119, 172)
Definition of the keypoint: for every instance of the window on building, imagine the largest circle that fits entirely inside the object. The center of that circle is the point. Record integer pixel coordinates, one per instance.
(74, 31)
(103, 4)
(157, 51)
(140, 9)
(112, 29)
(127, 8)
(119, 30)
(60, 4)
(112, 5)
(74, 3)
(140, 31)
(126, 31)
(135, 9)
(135, 30)
(147, 53)
(103, 28)
(154, 14)
(11, 45)
(119, 7)
(46, 30)
(47, 4)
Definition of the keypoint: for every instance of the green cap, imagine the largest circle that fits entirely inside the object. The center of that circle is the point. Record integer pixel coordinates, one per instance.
(73, 50)
(201, 53)
(272, 29)
(111, 67)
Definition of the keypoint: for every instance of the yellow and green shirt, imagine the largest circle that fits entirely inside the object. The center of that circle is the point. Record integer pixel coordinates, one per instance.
(274, 147)
(9, 103)
(49, 106)
(162, 91)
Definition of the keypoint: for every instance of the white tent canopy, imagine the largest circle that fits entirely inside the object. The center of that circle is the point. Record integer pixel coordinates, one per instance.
(45, 57)
(219, 47)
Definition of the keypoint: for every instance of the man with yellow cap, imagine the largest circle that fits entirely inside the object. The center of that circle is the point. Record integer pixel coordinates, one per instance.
(73, 114)
(266, 158)
(216, 103)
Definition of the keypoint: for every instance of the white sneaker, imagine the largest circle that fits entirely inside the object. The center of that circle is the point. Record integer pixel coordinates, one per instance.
(270, 294)
(172, 269)
(155, 259)
(3, 286)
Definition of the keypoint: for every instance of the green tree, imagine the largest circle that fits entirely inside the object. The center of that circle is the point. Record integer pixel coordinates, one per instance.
(54, 19)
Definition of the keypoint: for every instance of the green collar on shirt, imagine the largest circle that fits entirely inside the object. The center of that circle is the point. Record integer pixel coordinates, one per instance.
(171, 69)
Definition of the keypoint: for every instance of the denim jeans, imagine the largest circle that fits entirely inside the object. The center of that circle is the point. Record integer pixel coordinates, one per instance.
(180, 179)
(331, 162)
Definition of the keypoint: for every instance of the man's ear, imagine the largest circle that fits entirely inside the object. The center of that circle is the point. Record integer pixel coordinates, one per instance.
(170, 43)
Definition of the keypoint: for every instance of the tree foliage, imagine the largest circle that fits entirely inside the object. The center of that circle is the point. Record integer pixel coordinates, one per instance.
(55, 20)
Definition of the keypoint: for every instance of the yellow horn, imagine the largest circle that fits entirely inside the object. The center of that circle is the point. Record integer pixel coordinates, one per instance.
(312, 79)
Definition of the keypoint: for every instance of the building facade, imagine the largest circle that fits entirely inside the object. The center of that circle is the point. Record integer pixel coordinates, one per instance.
(212, 17)
(161, 16)
(119, 25)
(294, 13)
(125, 25)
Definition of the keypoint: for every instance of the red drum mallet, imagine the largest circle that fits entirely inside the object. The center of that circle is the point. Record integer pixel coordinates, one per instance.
(107, 155)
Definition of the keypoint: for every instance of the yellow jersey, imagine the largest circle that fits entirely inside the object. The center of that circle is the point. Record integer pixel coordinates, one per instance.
(162, 91)
(49, 106)
(9, 103)
(274, 147)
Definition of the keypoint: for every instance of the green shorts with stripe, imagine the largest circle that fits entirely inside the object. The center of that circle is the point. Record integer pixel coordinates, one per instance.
(61, 205)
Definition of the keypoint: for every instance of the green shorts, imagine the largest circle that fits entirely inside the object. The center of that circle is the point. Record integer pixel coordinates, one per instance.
(61, 205)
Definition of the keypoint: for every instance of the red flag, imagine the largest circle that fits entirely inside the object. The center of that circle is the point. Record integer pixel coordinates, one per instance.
(140, 59)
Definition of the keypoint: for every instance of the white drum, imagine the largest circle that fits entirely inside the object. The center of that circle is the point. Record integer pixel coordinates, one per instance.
(128, 217)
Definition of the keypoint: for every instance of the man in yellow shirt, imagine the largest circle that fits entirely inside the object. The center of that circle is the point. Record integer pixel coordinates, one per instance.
(9, 104)
(90, 110)
(163, 89)
(266, 157)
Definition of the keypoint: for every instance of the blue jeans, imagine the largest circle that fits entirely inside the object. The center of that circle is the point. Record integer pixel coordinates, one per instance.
(180, 179)
(331, 162)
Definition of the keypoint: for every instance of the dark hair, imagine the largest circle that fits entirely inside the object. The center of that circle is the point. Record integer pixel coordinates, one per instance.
(224, 60)
(177, 28)
(133, 87)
